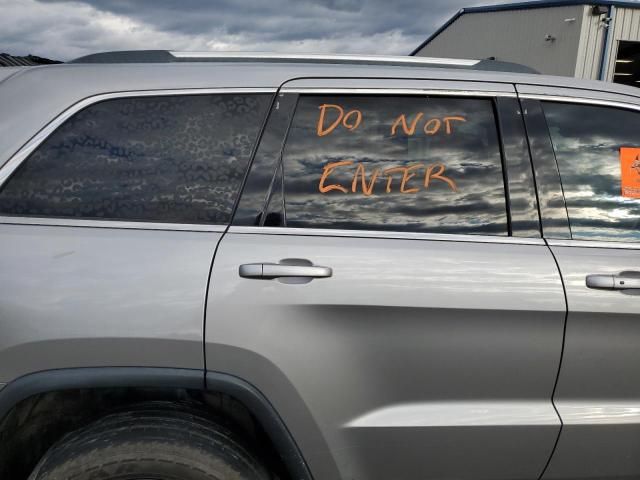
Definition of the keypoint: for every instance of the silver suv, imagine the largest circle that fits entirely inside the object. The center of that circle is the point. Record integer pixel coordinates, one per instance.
(260, 267)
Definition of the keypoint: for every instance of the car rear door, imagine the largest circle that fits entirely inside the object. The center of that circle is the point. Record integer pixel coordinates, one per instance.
(593, 233)
(374, 285)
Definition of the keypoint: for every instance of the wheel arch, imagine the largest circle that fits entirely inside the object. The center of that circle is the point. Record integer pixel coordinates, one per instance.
(50, 381)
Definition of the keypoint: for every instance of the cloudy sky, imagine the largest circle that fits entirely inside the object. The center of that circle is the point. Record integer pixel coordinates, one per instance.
(63, 29)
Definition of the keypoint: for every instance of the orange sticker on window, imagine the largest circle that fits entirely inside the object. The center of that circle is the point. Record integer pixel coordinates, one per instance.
(630, 172)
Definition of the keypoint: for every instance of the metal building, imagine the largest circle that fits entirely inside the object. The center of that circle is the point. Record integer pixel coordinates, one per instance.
(596, 40)
(7, 60)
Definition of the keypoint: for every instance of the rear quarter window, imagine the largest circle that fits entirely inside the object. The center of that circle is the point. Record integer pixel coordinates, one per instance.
(601, 195)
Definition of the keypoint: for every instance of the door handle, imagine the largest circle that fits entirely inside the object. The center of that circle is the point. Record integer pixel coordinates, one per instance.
(613, 282)
(288, 268)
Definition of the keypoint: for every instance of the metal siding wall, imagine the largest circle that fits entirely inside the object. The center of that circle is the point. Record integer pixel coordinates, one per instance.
(515, 36)
(591, 44)
(625, 26)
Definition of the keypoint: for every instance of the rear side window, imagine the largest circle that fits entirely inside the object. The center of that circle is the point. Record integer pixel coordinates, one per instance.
(598, 154)
(400, 163)
(177, 159)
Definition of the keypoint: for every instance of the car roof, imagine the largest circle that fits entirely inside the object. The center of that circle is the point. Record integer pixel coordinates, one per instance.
(95, 78)
(166, 56)
(33, 96)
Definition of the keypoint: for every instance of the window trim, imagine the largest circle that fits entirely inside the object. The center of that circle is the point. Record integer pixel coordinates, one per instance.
(580, 100)
(553, 218)
(16, 160)
(108, 223)
(576, 242)
(608, 244)
(384, 234)
(512, 130)
(395, 91)
(489, 94)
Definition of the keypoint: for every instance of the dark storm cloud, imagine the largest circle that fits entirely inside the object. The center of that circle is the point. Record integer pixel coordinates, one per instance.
(65, 28)
(281, 17)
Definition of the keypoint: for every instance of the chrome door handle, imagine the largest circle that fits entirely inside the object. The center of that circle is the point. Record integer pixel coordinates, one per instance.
(613, 282)
(269, 271)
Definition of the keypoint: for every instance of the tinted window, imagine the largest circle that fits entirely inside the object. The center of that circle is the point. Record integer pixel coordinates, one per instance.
(596, 148)
(163, 159)
(412, 164)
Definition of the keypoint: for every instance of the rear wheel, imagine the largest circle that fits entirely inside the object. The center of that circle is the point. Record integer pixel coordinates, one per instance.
(151, 442)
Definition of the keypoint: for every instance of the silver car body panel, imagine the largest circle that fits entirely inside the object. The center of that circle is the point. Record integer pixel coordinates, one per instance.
(417, 332)
(400, 356)
(8, 72)
(79, 296)
(458, 414)
(596, 396)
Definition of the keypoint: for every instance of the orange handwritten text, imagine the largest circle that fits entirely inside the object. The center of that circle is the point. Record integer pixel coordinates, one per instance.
(351, 120)
(397, 178)
(326, 172)
(430, 127)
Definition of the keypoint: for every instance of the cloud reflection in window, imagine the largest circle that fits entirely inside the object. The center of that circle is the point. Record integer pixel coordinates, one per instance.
(587, 141)
(470, 155)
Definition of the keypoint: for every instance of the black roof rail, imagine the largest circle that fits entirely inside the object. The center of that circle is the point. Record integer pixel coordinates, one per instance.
(166, 56)
(127, 56)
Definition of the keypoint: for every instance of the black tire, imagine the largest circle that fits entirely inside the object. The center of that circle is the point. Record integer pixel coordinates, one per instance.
(153, 441)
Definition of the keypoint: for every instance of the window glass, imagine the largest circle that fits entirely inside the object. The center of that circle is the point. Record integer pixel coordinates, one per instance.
(275, 215)
(163, 159)
(598, 154)
(411, 164)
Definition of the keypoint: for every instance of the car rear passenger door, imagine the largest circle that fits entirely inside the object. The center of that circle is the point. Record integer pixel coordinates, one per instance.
(375, 286)
(595, 238)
